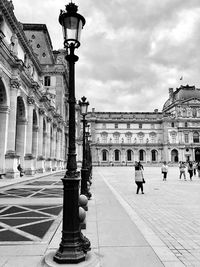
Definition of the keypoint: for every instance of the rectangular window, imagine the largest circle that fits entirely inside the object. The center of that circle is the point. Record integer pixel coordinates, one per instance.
(128, 126)
(104, 126)
(186, 138)
(47, 81)
(140, 125)
(116, 125)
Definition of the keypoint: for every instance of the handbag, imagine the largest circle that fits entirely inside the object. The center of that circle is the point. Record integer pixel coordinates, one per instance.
(143, 181)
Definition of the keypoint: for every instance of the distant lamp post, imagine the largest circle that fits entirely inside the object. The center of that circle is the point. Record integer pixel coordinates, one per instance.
(74, 245)
(83, 109)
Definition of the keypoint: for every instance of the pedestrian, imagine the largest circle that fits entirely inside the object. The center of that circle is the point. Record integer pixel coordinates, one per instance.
(139, 179)
(198, 168)
(164, 170)
(20, 170)
(190, 169)
(182, 168)
(141, 166)
(195, 167)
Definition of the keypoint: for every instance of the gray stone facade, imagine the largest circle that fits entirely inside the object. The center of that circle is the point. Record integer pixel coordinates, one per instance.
(33, 90)
(121, 138)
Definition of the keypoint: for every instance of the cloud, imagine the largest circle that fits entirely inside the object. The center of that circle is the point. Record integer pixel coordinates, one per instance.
(131, 51)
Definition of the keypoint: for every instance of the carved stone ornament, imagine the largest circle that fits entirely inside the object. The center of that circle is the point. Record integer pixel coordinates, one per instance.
(49, 119)
(14, 83)
(41, 111)
(30, 100)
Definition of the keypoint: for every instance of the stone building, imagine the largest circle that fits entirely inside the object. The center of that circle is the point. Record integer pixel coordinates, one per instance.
(33, 110)
(120, 138)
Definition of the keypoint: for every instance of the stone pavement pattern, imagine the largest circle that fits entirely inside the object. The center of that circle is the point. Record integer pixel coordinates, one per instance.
(159, 228)
(171, 209)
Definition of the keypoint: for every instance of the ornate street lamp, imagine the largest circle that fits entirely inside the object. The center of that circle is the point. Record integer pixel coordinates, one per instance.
(83, 109)
(74, 245)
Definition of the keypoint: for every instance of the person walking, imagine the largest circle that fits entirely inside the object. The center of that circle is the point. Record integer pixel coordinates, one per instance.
(182, 168)
(20, 170)
(139, 179)
(164, 170)
(190, 169)
(195, 167)
(198, 168)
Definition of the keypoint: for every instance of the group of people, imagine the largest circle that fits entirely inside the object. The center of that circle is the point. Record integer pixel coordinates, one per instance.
(192, 167)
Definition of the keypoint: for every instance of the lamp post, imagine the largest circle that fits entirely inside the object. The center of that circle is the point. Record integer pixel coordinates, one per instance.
(74, 245)
(83, 109)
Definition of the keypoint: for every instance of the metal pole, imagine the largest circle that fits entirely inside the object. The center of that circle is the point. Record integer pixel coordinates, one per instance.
(72, 247)
(84, 170)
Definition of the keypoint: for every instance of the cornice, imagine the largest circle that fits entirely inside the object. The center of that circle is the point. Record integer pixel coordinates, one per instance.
(7, 10)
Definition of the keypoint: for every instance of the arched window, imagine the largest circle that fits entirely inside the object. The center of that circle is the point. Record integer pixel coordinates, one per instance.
(141, 155)
(153, 155)
(174, 155)
(196, 137)
(104, 155)
(116, 155)
(129, 155)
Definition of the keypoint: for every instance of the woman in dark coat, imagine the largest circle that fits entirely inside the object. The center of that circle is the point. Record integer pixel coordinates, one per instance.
(139, 180)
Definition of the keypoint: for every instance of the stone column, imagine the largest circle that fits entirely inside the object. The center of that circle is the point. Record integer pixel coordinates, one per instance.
(54, 162)
(4, 111)
(29, 159)
(40, 158)
(21, 140)
(11, 159)
(48, 145)
(35, 145)
(58, 149)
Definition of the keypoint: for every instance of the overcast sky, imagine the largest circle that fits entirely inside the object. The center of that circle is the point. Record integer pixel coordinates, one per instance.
(132, 51)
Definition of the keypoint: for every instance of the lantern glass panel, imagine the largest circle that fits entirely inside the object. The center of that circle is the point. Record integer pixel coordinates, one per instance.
(84, 107)
(72, 27)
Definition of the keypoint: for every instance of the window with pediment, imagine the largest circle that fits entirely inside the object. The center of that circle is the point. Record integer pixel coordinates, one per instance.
(194, 112)
(104, 136)
(152, 137)
(140, 135)
(116, 136)
(128, 136)
(173, 136)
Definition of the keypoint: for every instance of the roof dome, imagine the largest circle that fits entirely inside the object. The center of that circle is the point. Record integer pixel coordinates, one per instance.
(182, 93)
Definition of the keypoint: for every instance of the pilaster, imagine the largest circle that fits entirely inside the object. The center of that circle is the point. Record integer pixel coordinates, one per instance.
(29, 158)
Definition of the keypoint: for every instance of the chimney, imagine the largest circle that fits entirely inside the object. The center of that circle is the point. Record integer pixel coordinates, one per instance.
(156, 110)
(93, 110)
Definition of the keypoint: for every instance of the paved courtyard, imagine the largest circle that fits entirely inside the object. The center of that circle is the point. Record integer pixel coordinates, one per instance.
(171, 209)
(159, 228)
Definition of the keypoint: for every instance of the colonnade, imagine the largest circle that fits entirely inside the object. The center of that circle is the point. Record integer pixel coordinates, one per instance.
(30, 133)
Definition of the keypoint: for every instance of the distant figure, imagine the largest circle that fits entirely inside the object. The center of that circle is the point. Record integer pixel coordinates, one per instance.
(139, 180)
(182, 168)
(164, 170)
(190, 169)
(195, 167)
(20, 170)
(198, 168)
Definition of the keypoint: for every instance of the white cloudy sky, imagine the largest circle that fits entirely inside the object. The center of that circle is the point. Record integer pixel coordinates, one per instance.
(131, 51)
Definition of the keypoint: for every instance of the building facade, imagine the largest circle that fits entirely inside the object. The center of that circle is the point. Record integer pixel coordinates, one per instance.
(33, 95)
(121, 138)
